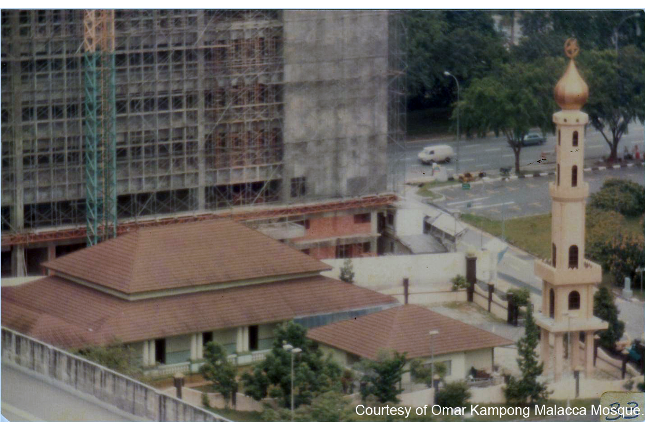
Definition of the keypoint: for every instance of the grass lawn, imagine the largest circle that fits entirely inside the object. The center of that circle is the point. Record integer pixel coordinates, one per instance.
(532, 233)
(425, 192)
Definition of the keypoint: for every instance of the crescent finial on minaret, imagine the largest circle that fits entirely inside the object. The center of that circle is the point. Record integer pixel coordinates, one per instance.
(571, 91)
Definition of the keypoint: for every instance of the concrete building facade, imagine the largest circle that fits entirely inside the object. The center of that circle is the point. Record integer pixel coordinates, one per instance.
(215, 110)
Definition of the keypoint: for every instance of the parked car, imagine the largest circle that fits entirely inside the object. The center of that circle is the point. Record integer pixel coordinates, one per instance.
(436, 153)
(534, 139)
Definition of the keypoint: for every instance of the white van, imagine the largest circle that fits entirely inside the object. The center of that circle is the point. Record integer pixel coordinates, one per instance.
(436, 153)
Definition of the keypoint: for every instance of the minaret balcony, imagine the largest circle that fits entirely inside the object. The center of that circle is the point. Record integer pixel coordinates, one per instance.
(588, 273)
(568, 193)
(563, 326)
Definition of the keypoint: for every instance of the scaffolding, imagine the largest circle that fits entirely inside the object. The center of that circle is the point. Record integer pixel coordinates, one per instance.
(100, 125)
(214, 110)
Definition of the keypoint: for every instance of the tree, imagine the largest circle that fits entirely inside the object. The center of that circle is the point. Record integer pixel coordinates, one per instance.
(116, 356)
(219, 370)
(605, 309)
(616, 96)
(423, 372)
(313, 373)
(464, 42)
(624, 196)
(512, 100)
(381, 378)
(327, 407)
(527, 390)
(454, 395)
(624, 255)
(347, 271)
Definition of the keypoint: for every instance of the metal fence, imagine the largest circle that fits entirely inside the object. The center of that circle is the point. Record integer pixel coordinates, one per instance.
(84, 376)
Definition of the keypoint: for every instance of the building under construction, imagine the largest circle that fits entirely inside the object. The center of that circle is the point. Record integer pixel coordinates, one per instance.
(291, 120)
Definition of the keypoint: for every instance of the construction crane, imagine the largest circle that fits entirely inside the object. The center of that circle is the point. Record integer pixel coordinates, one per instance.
(100, 125)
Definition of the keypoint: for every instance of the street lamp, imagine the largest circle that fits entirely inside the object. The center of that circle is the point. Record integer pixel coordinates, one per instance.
(432, 334)
(293, 351)
(447, 73)
(634, 15)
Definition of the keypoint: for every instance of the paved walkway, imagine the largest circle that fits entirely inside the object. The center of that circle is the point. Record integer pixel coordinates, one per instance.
(28, 398)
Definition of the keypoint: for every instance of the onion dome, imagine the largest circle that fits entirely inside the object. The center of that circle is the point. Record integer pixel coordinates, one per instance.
(571, 92)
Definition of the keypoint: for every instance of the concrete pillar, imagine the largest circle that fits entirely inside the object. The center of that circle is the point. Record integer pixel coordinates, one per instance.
(575, 349)
(152, 353)
(558, 352)
(545, 351)
(146, 354)
(242, 339)
(193, 346)
(589, 353)
(18, 264)
(51, 251)
(200, 346)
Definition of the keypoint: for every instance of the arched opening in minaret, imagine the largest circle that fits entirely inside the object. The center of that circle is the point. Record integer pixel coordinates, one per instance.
(573, 257)
(559, 137)
(574, 300)
(574, 176)
(551, 304)
(553, 253)
(575, 138)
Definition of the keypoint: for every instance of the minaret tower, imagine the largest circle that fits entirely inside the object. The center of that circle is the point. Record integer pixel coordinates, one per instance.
(569, 280)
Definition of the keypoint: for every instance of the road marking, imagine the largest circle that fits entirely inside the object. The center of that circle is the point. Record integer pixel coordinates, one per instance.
(532, 185)
(466, 201)
(536, 204)
(492, 150)
(596, 146)
(508, 156)
(492, 206)
(516, 208)
(467, 159)
(19, 412)
(470, 146)
(482, 165)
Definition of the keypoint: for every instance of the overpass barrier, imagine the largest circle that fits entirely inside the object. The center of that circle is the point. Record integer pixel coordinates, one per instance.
(108, 386)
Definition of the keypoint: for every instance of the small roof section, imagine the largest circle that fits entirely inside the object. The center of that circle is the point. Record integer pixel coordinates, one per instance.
(422, 244)
(184, 255)
(404, 329)
(69, 315)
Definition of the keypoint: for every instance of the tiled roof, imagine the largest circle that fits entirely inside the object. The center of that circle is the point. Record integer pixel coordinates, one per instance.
(69, 315)
(404, 329)
(184, 255)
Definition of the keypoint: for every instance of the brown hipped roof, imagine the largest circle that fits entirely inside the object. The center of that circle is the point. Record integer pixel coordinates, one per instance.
(184, 255)
(70, 315)
(404, 329)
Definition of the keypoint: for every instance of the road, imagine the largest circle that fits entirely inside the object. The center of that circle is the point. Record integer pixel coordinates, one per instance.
(521, 197)
(27, 398)
(491, 153)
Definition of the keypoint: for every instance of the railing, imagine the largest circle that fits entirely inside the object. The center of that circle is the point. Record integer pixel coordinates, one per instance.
(84, 376)
(170, 369)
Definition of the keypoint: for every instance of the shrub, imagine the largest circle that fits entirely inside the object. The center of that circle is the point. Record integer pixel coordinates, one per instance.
(520, 296)
(459, 282)
(626, 197)
(347, 271)
(454, 395)
(605, 309)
